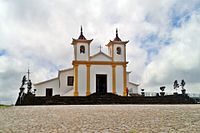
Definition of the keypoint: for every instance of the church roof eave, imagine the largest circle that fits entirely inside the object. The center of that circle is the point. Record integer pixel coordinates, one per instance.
(69, 69)
(66, 69)
(128, 72)
(63, 70)
(100, 52)
(117, 42)
(45, 81)
(75, 41)
(136, 84)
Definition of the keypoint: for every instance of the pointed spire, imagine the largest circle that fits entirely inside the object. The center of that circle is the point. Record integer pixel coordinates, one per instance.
(116, 32)
(81, 35)
(81, 30)
(117, 37)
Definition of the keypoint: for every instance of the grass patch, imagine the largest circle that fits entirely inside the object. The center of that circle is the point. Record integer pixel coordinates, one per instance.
(133, 131)
(4, 106)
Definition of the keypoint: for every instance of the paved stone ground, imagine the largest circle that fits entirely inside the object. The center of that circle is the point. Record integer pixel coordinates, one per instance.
(101, 118)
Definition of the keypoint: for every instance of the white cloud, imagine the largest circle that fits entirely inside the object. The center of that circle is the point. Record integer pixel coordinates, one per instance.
(179, 60)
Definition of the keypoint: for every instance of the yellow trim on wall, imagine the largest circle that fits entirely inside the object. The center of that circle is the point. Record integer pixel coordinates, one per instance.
(88, 80)
(89, 51)
(124, 53)
(88, 65)
(114, 78)
(99, 62)
(75, 80)
(124, 73)
(112, 52)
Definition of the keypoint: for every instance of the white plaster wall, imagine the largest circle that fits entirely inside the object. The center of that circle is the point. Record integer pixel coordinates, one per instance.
(116, 56)
(127, 78)
(100, 69)
(82, 80)
(110, 50)
(70, 93)
(100, 57)
(133, 88)
(81, 56)
(64, 88)
(75, 49)
(119, 80)
(41, 88)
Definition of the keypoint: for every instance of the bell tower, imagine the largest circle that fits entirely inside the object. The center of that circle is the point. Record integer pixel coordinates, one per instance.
(81, 47)
(117, 49)
(81, 53)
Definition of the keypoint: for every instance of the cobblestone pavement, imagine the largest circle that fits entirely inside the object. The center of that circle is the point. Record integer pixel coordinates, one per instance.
(101, 118)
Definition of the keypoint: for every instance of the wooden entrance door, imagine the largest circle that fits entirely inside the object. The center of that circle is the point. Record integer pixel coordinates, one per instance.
(49, 92)
(101, 84)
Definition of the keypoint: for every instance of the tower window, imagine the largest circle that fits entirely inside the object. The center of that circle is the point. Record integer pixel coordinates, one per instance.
(82, 49)
(119, 50)
(70, 80)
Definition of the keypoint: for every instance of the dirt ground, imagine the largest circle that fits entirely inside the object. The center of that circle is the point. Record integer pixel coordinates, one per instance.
(101, 119)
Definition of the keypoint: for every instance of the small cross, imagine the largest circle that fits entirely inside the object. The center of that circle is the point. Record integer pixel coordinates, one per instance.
(100, 48)
(28, 73)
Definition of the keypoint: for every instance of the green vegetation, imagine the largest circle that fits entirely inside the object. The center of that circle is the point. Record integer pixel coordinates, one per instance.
(4, 106)
(133, 131)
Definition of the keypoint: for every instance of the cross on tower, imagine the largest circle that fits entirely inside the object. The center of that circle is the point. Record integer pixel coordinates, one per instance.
(28, 74)
(100, 48)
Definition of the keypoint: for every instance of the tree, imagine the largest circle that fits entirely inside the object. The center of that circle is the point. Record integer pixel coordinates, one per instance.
(182, 86)
(162, 88)
(176, 85)
(142, 92)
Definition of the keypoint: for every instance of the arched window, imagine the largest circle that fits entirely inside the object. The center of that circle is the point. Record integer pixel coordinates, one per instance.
(119, 50)
(82, 49)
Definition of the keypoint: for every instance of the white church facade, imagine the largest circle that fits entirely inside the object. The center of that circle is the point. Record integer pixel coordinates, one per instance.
(99, 73)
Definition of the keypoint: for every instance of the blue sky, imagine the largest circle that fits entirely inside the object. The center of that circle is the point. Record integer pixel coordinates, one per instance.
(2, 52)
(164, 39)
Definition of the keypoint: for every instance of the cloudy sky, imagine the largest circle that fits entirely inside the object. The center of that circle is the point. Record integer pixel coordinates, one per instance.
(164, 39)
